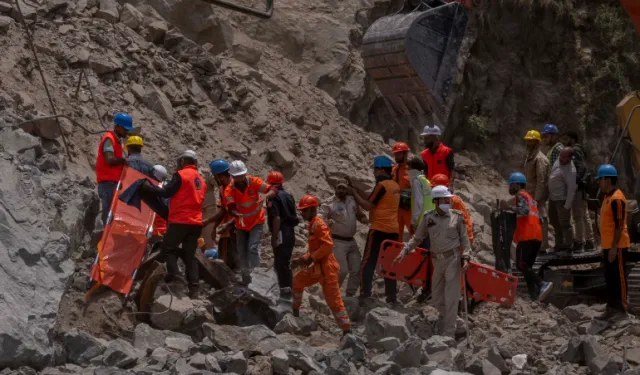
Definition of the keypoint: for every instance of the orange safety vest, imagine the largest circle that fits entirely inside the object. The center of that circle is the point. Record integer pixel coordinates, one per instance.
(221, 204)
(320, 242)
(607, 224)
(400, 174)
(247, 202)
(104, 171)
(186, 204)
(159, 226)
(458, 204)
(384, 215)
(436, 162)
(528, 226)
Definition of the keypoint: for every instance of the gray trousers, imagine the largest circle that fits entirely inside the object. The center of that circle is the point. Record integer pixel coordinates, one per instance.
(248, 248)
(445, 292)
(581, 218)
(349, 259)
(560, 219)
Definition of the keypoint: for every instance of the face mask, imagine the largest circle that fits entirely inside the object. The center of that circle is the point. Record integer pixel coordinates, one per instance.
(445, 207)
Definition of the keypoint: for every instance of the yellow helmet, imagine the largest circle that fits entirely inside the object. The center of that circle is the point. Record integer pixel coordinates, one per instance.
(533, 135)
(134, 140)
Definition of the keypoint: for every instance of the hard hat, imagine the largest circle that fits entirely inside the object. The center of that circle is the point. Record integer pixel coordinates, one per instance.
(382, 161)
(400, 147)
(275, 177)
(308, 201)
(237, 168)
(159, 172)
(440, 192)
(124, 120)
(431, 130)
(516, 178)
(550, 129)
(189, 154)
(606, 170)
(439, 180)
(134, 140)
(218, 166)
(533, 135)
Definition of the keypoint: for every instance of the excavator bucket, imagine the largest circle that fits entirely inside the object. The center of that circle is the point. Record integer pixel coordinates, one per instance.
(267, 13)
(412, 58)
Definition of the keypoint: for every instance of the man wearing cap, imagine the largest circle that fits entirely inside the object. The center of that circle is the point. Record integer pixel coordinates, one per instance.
(437, 156)
(400, 174)
(186, 189)
(450, 252)
(562, 191)
(111, 160)
(134, 145)
(536, 170)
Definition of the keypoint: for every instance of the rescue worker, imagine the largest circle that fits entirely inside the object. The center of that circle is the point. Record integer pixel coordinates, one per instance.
(111, 160)
(436, 156)
(134, 145)
(562, 190)
(244, 203)
(282, 220)
(537, 170)
(456, 203)
(159, 224)
(382, 205)
(551, 139)
(319, 265)
(527, 235)
(446, 230)
(400, 174)
(223, 223)
(341, 213)
(615, 241)
(186, 191)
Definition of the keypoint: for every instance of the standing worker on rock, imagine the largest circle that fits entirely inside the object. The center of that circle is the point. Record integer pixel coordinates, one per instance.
(562, 190)
(527, 236)
(615, 240)
(111, 160)
(400, 174)
(436, 156)
(445, 228)
(282, 220)
(382, 205)
(134, 145)
(551, 139)
(536, 170)
(244, 203)
(186, 190)
(342, 213)
(325, 267)
(222, 220)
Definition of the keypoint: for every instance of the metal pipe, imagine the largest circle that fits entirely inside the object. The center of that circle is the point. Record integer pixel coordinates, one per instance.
(267, 13)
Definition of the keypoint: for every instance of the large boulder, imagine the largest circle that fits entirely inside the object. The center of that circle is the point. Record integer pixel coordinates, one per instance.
(131, 16)
(81, 347)
(382, 322)
(119, 353)
(158, 102)
(409, 354)
(303, 325)
(17, 141)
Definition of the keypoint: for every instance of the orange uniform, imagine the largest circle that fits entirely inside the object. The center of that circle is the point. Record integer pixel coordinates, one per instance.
(458, 204)
(159, 226)
(400, 174)
(325, 270)
(104, 171)
(528, 226)
(247, 202)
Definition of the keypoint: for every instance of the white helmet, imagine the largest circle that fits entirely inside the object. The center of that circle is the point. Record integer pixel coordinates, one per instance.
(237, 168)
(159, 172)
(189, 154)
(431, 130)
(440, 192)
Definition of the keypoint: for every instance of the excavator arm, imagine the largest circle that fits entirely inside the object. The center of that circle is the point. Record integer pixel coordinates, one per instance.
(267, 13)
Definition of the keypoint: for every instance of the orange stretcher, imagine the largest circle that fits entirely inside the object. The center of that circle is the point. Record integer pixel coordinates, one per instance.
(416, 268)
(124, 240)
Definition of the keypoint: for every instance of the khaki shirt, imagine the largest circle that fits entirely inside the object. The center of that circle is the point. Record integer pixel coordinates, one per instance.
(445, 232)
(343, 214)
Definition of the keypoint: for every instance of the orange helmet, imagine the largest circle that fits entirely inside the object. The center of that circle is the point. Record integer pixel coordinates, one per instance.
(275, 177)
(400, 147)
(439, 179)
(308, 201)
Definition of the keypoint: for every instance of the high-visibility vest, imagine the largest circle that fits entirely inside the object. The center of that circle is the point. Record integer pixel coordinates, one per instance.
(436, 162)
(427, 201)
(186, 204)
(247, 202)
(528, 226)
(104, 171)
(607, 224)
(384, 215)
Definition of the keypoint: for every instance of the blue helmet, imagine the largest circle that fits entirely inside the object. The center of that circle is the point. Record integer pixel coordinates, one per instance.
(550, 129)
(219, 166)
(124, 120)
(382, 161)
(606, 170)
(516, 178)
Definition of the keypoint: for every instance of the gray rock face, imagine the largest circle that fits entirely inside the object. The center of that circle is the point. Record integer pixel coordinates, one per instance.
(157, 101)
(170, 314)
(17, 141)
(131, 16)
(409, 354)
(438, 343)
(279, 362)
(387, 344)
(108, 11)
(82, 347)
(303, 325)
(233, 362)
(5, 23)
(579, 312)
(382, 322)
(119, 353)
(254, 339)
(355, 344)
(148, 339)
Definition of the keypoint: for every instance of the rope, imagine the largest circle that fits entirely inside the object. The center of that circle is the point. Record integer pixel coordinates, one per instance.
(170, 294)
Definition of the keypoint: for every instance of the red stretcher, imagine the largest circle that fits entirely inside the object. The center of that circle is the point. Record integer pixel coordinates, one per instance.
(416, 268)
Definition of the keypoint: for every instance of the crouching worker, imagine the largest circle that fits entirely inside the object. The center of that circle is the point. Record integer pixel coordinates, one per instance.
(527, 236)
(319, 264)
(447, 233)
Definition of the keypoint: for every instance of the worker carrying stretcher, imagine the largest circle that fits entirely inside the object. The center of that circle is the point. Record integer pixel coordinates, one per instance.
(320, 265)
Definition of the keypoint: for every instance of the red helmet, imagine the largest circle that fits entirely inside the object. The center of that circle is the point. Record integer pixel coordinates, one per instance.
(400, 147)
(308, 201)
(439, 180)
(275, 177)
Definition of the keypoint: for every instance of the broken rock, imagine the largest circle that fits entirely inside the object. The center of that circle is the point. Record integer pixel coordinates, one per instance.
(157, 31)
(386, 344)
(108, 11)
(282, 158)
(382, 322)
(232, 338)
(131, 16)
(104, 65)
(5, 23)
(157, 101)
(168, 312)
(409, 354)
(119, 353)
(355, 344)
(438, 343)
(303, 325)
(82, 347)
(235, 363)
(17, 141)
(279, 362)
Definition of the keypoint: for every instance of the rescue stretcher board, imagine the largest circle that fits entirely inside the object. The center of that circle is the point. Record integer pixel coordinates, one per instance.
(483, 282)
(124, 239)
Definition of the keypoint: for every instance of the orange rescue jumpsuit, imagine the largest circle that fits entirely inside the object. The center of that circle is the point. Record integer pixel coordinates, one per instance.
(458, 204)
(400, 174)
(325, 270)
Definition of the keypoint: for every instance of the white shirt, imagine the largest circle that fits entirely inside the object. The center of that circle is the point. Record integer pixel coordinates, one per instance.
(343, 214)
